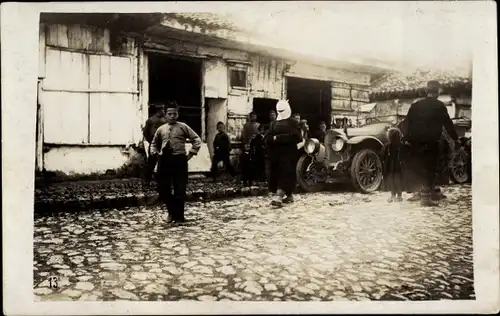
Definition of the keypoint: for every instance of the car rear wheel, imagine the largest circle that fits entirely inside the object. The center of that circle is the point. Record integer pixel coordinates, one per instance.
(310, 174)
(366, 171)
(459, 167)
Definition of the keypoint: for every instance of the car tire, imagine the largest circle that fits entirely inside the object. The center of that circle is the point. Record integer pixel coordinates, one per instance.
(361, 158)
(464, 175)
(302, 163)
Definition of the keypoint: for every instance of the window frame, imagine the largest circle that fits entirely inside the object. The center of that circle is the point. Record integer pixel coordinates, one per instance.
(241, 68)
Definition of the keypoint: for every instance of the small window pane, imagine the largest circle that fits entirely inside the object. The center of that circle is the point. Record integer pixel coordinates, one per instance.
(238, 78)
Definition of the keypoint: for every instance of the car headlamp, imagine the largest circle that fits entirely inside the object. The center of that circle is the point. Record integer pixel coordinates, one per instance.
(311, 146)
(338, 144)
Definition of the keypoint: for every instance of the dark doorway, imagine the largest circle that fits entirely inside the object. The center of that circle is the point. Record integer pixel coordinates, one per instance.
(311, 99)
(262, 107)
(177, 79)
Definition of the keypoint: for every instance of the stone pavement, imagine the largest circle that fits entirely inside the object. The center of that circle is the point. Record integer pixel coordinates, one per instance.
(326, 246)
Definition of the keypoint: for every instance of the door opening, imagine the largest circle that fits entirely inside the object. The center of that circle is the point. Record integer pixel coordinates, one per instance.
(177, 79)
(311, 99)
(262, 107)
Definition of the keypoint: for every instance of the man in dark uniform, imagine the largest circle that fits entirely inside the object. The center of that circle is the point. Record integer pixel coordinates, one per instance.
(425, 121)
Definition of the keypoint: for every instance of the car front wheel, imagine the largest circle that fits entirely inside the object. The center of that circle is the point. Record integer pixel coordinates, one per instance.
(366, 171)
(310, 174)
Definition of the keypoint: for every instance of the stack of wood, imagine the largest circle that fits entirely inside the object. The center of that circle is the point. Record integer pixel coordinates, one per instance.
(347, 97)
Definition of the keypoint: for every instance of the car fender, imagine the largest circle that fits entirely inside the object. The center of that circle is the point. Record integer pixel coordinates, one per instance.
(358, 139)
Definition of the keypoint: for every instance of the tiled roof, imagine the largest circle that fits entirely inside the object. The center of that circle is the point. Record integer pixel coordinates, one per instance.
(395, 82)
(213, 20)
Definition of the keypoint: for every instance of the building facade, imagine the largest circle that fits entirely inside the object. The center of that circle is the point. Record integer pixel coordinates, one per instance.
(97, 78)
(394, 93)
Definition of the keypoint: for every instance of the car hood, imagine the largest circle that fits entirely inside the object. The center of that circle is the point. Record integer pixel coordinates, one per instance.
(367, 130)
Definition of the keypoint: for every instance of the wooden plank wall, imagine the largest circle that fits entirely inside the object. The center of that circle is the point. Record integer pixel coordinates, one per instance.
(66, 117)
(266, 77)
(341, 96)
(215, 78)
(347, 97)
(65, 100)
(78, 37)
(90, 89)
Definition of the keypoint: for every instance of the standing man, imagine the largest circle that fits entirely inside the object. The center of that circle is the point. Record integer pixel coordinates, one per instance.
(425, 121)
(272, 184)
(148, 132)
(272, 119)
(250, 129)
(169, 148)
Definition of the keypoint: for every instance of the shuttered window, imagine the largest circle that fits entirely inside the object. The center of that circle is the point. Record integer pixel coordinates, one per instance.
(90, 99)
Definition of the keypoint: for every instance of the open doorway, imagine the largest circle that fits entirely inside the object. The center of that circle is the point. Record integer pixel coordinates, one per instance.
(177, 79)
(262, 107)
(311, 99)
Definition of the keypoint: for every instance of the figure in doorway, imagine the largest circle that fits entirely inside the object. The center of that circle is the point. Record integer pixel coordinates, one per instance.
(321, 133)
(222, 148)
(250, 129)
(272, 119)
(169, 149)
(148, 132)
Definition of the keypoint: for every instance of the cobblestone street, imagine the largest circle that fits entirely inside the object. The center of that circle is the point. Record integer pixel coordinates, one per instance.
(325, 246)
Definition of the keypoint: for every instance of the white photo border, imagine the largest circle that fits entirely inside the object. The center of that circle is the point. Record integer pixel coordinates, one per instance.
(19, 35)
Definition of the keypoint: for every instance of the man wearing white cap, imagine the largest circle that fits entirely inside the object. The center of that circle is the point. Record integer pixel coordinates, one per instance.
(282, 142)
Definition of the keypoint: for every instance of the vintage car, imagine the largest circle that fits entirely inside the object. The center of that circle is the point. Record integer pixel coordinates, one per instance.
(355, 155)
(350, 154)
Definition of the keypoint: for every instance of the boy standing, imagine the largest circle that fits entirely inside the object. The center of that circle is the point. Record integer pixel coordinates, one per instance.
(222, 148)
(169, 149)
(394, 154)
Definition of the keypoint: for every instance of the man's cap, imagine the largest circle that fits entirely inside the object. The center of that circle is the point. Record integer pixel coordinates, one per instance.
(433, 84)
